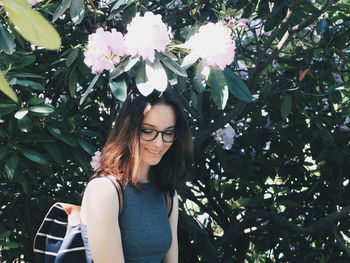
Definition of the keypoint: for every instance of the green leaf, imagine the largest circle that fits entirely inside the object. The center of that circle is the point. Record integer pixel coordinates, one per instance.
(129, 13)
(171, 64)
(322, 26)
(30, 84)
(123, 66)
(34, 138)
(201, 76)
(121, 2)
(24, 75)
(25, 61)
(5, 88)
(5, 235)
(89, 133)
(119, 89)
(286, 106)
(189, 60)
(151, 75)
(7, 44)
(54, 151)
(35, 101)
(61, 9)
(35, 156)
(236, 86)
(25, 124)
(87, 147)
(336, 87)
(7, 109)
(72, 56)
(3, 151)
(72, 83)
(88, 90)
(219, 89)
(11, 166)
(31, 24)
(43, 110)
(120, 9)
(9, 244)
(21, 113)
(77, 11)
(62, 137)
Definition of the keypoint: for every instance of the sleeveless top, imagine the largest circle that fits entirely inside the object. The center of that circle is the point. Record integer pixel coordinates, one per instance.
(144, 225)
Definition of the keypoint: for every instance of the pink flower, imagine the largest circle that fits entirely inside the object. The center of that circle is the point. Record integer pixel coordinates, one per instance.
(96, 161)
(214, 44)
(32, 2)
(145, 35)
(242, 23)
(104, 50)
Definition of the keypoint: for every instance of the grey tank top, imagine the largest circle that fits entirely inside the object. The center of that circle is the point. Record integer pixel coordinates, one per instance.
(144, 225)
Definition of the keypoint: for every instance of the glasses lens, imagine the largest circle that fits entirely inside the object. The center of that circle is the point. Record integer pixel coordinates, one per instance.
(148, 134)
(169, 136)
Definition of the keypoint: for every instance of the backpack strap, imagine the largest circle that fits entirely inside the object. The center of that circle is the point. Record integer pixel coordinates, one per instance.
(169, 203)
(118, 187)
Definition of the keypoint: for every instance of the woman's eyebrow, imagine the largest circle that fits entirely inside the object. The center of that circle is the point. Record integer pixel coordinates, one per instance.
(155, 126)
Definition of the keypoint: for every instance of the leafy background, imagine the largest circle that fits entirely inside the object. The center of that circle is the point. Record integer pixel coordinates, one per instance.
(281, 194)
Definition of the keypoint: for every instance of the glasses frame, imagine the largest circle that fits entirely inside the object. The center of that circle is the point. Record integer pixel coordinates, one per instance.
(157, 133)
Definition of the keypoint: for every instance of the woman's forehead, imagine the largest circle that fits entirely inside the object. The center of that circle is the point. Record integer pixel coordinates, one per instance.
(160, 116)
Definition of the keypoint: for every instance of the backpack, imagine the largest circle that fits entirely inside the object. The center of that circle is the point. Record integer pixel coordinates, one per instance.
(59, 238)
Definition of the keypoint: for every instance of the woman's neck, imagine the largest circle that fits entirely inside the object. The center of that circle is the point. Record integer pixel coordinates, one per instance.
(144, 171)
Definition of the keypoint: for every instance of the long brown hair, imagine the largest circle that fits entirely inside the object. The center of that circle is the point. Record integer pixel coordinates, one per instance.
(120, 155)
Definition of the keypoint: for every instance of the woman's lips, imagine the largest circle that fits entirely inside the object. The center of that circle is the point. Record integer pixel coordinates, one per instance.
(153, 152)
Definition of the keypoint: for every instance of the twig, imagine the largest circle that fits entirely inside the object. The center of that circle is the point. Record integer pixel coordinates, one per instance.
(340, 241)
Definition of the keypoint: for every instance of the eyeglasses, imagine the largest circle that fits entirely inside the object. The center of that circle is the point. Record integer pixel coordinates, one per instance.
(148, 135)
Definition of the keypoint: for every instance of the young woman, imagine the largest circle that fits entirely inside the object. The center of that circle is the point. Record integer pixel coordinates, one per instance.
(148, 150)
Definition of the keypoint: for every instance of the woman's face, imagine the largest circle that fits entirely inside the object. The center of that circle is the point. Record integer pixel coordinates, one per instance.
(159, 117)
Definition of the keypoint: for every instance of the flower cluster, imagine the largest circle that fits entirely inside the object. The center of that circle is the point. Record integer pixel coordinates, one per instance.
(213, 43)
(104, 50)
(96, 161)
(145, 35)
(225, 136)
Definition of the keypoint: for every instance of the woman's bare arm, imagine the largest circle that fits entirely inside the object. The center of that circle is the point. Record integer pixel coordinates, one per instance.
(100, 209)
(172, 256)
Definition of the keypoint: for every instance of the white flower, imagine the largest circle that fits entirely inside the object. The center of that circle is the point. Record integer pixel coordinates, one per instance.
(146, 35)
(214, 44)
(226, 136)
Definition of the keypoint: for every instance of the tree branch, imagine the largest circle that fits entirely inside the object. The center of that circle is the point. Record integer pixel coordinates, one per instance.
(264, 62)
(323, 223)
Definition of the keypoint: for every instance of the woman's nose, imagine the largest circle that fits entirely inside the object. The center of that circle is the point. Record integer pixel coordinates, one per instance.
(159, 140)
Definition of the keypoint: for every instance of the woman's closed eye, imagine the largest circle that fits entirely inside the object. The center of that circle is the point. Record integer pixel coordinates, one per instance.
(147, 131)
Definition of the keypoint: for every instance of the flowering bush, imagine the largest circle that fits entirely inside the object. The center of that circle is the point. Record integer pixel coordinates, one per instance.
(214, 44)
(146, 35)
(104, 50)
